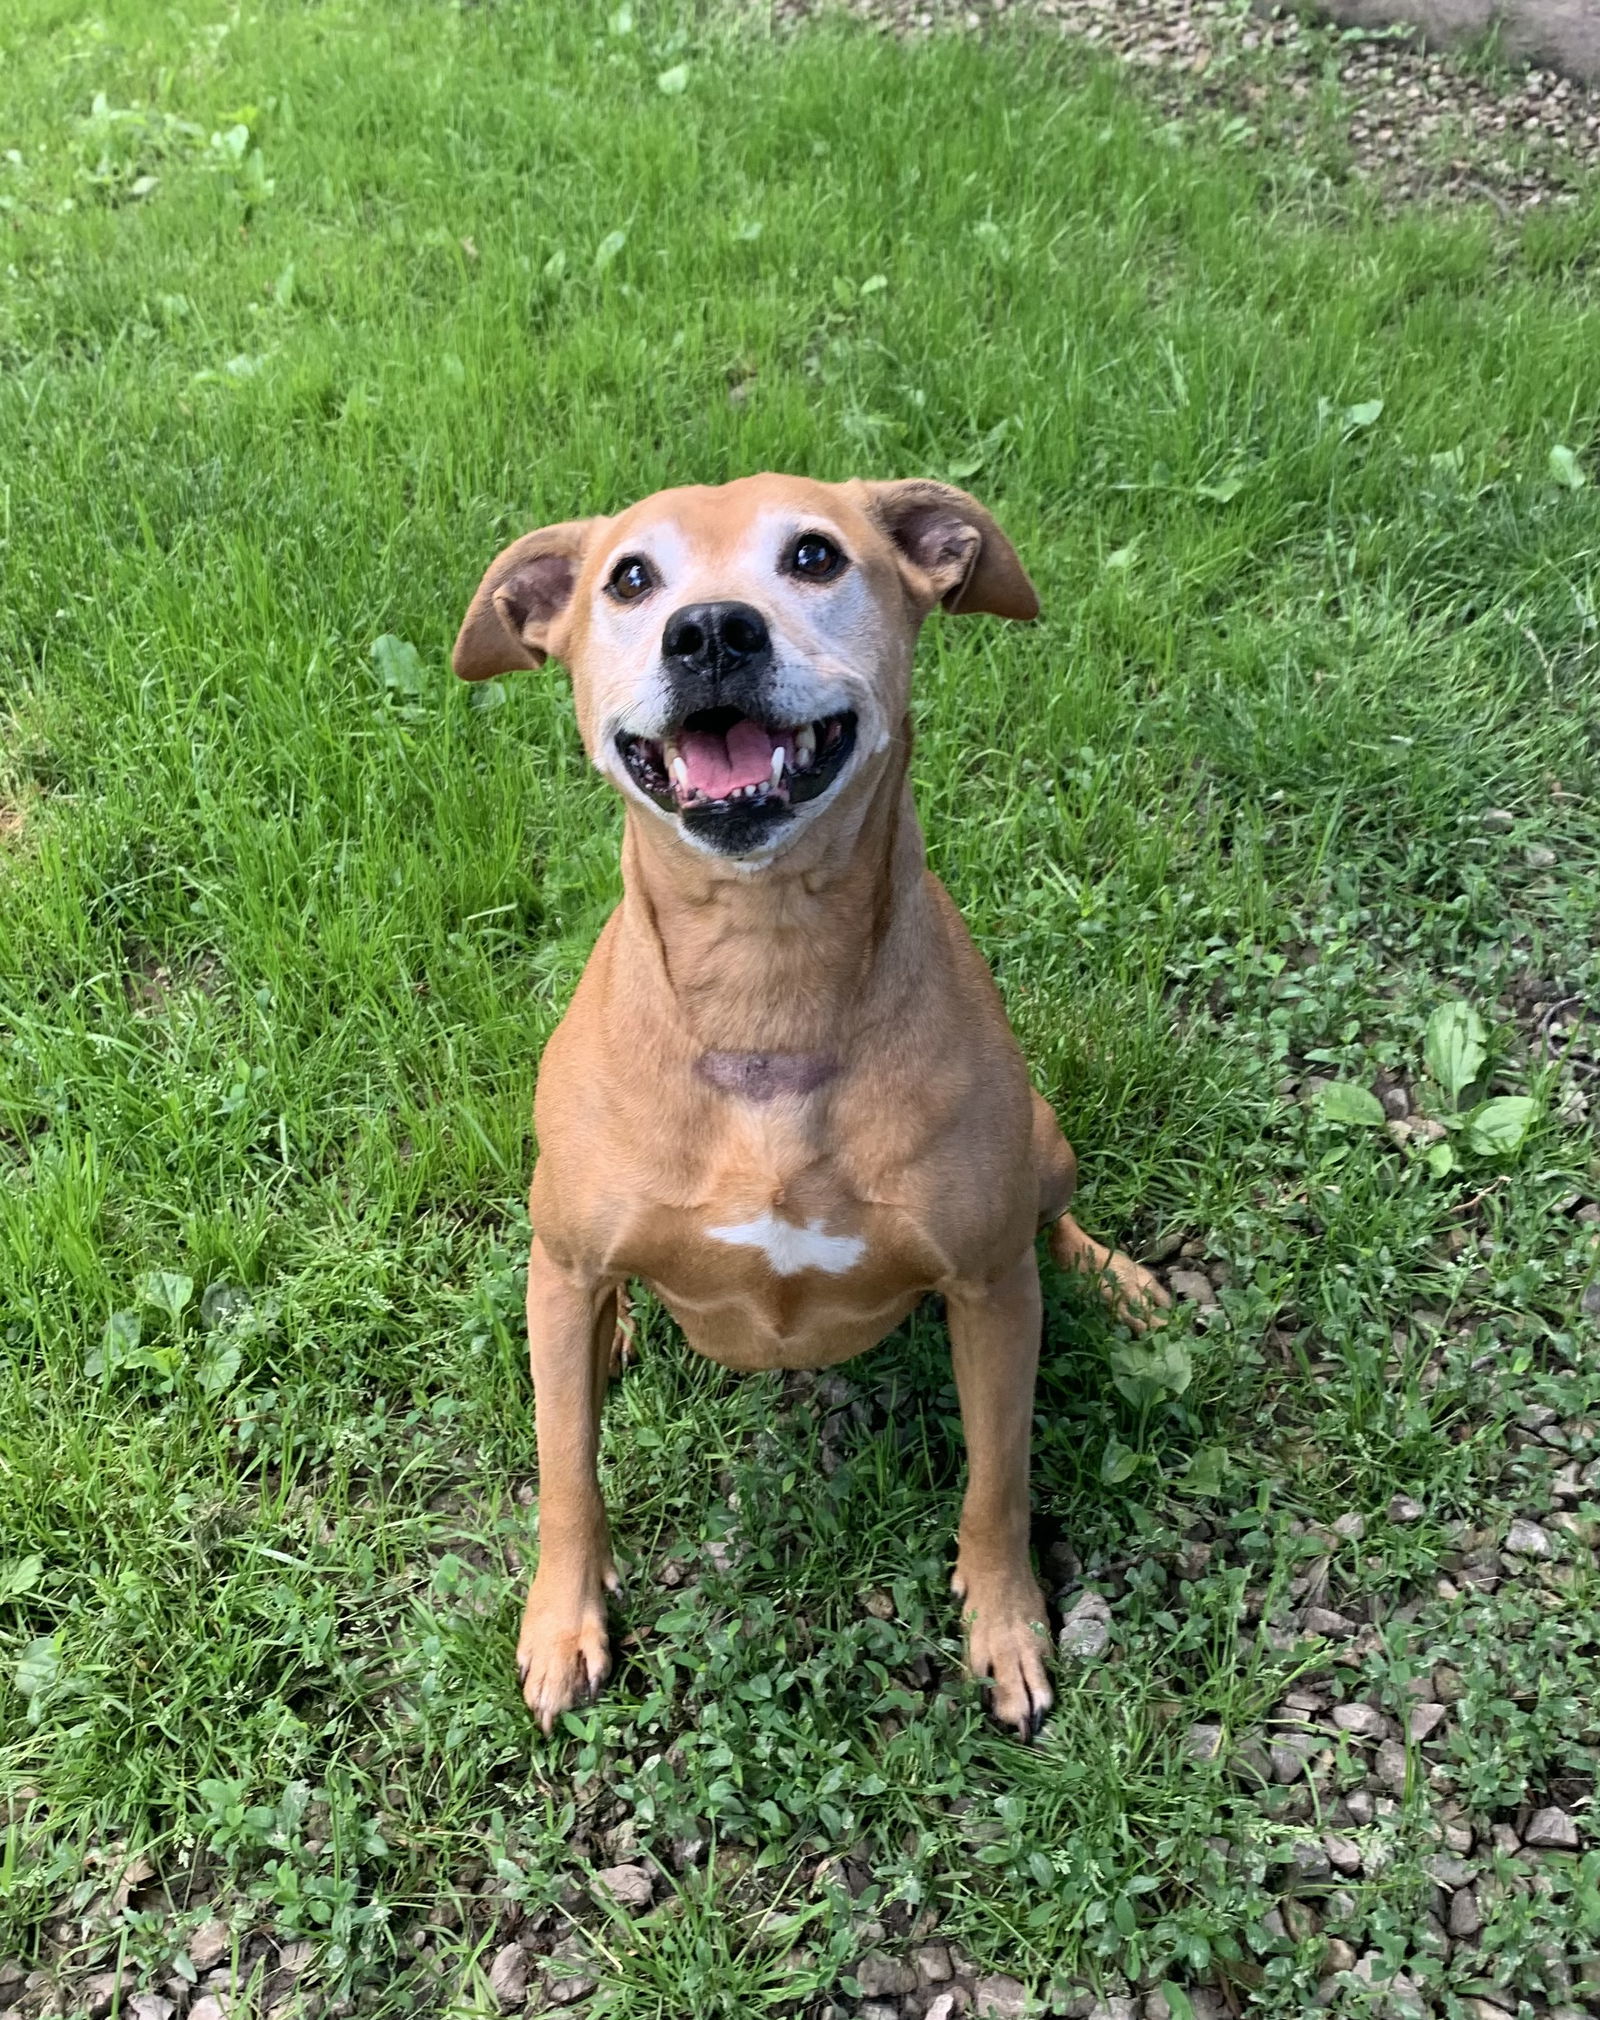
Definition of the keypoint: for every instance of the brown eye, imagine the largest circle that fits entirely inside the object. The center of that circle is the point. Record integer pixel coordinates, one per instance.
(816, 558)
(631, 579)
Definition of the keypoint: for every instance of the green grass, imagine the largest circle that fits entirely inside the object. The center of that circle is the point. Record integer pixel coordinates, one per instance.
(283, 926)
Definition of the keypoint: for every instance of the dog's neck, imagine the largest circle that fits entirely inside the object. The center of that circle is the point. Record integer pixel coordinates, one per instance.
(784, 958)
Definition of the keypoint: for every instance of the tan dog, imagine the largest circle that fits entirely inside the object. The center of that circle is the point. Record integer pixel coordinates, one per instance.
(785, 1095)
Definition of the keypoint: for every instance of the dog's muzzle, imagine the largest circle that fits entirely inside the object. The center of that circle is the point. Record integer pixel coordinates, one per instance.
(728, 770)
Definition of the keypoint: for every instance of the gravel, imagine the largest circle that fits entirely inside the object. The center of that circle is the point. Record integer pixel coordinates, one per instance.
(1466, 1917)
(209, 1944)
(931, 1964)
(1527, 1539)
(1001, 1998)
(882, 1977)
(1361, 1721)
(1389, 1765)
(1551, 1830)
(508, 1977)
(628, 1886)
(1410, 123)
(1087, 1628)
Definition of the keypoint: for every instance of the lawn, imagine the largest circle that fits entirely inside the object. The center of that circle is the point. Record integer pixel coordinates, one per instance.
(304, 311)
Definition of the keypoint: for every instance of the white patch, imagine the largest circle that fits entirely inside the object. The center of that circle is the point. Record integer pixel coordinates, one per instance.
(790, 1249)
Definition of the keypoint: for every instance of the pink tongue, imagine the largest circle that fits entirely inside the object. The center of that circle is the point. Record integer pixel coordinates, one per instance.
(719, 765)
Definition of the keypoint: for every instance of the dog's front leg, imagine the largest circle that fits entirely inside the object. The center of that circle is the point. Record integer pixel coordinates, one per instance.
(994, 1342)
(563, 1652)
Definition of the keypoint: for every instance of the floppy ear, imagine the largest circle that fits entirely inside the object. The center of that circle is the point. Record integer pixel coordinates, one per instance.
(950, 548)
(517, 612)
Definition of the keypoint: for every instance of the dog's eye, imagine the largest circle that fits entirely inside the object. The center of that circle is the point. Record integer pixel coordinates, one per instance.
(816, 558)
(631, 578)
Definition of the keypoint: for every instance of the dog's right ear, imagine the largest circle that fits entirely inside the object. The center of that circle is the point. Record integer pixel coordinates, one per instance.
(517, 618)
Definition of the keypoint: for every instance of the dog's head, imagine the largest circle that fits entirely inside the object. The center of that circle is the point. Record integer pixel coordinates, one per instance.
(741, 655)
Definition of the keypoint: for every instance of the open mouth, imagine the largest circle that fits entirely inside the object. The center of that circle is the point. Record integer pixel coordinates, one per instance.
(719, 764)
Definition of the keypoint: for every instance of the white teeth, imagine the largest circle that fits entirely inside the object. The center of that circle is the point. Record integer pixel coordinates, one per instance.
(805, 746)
(680, 772)
(777, 764)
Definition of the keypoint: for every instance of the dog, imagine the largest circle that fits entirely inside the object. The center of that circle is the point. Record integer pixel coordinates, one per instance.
(785, 1095)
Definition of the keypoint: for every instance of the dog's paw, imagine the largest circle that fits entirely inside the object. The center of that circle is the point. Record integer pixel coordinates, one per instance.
(1008, 1639)
(1134, 1294)
(625, 1338)
(563, 1655)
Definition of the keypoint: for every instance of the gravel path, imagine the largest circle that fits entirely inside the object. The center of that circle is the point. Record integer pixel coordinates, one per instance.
(1414, 123)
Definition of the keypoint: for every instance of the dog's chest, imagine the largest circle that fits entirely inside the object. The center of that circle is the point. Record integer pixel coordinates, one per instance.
(775, 1247)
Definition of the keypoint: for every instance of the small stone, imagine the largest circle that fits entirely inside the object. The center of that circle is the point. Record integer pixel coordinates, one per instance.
(1466, 1917)
(1551, 1830)
(508, 1977)
(629, 1886)
(1389, 1765)
(1422, 1719)
(1359, 1804)
(214, 2006)
(931, 1964)
(1339, 1955)
(1527, 1539)
(1250, 1763)
(882, 1977)
(943, 2008)
(1344, 1854)
(1111, 2009)
(1087, 1628)
(1308, 1860)
(1194, 1287)
(568, 1977)
(1449, 1873)
(1506, 1840)
(878, 2009)
(1403, 1509)
(1459, 1839)
(1323, 1620)
(209, 1944)
(99, 1993)
(1001, 1998)
(1361, 1721)
(1203, 1742)
(1352, 1527)
(1288, 1755)
(150, 2006)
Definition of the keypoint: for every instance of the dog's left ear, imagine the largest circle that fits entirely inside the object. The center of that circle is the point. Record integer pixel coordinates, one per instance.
(950, 549)
(516, 617)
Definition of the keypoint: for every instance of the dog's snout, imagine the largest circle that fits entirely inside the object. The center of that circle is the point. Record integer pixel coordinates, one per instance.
(711, 638)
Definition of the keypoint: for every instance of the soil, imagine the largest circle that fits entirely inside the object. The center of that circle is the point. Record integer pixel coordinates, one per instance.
(1411, 121)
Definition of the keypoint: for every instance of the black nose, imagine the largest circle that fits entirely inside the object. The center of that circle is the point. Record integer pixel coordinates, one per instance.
(713, 643)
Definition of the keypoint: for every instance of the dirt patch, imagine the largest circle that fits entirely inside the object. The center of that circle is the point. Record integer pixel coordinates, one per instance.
(1561, 35)
(1410, 119)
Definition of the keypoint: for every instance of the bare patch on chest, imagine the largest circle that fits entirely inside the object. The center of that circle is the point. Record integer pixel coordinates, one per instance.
(763, 1076)
(790, 1249)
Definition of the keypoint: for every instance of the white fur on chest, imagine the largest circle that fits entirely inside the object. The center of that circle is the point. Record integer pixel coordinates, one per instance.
(790, 1249)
